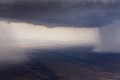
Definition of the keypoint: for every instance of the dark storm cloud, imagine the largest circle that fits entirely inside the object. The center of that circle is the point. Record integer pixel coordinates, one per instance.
(62, 12)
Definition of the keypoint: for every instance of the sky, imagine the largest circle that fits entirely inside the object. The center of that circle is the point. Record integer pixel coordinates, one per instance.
(18, 37)
(71, 18)
(29, 35)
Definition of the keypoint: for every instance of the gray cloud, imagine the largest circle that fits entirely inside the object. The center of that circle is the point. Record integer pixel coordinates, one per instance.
(86, 13)
(109, 38)
(89, 13)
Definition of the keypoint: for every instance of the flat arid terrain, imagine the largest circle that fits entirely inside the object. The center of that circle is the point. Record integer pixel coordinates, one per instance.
(69, 64)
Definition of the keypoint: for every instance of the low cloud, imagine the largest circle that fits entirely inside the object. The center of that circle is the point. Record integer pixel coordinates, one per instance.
(87, 13)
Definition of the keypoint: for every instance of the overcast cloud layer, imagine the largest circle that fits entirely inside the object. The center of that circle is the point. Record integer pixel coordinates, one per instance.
(89, 13)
